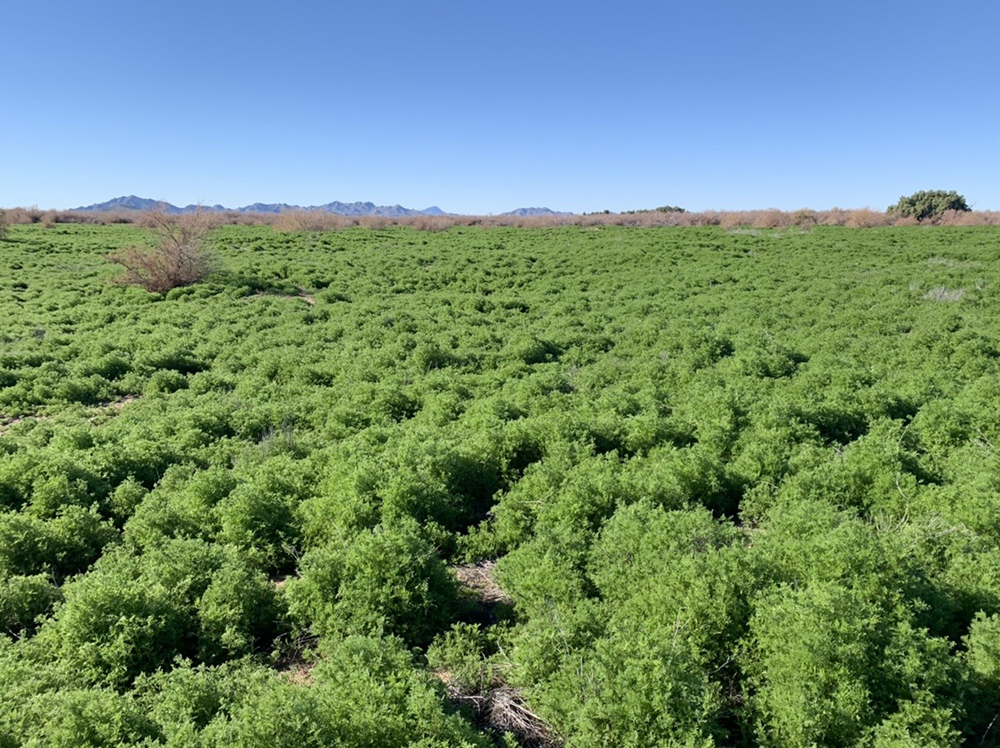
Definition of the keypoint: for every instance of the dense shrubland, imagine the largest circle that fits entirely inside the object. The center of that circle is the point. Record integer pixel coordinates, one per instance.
(741, 488)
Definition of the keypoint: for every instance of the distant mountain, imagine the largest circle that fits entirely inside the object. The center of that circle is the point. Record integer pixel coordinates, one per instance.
(267, 208)
(132, 202)
(367, 209)
(526, 212)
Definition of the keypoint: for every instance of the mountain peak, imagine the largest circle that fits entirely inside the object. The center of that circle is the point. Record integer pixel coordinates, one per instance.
(132, 202)
(528, 212)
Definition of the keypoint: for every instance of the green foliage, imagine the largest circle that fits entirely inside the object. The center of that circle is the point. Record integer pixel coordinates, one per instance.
(740, 488)
(829, 664)
(387, 580)
(928, 204)
(23, 600)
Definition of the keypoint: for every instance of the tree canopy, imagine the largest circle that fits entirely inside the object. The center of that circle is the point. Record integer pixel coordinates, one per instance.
(928, 204)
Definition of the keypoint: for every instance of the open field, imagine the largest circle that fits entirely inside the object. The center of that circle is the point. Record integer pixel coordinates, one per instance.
(600, 486)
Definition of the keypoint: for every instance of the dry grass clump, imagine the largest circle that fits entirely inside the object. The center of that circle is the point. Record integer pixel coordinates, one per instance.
(945, 294)
(478, 578)
(177, 259)
(503, 709)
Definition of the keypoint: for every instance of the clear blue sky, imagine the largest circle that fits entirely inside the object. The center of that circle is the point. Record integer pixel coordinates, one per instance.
(483, 107)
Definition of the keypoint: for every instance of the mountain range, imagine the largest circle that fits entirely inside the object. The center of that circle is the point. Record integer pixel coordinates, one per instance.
(131, 202)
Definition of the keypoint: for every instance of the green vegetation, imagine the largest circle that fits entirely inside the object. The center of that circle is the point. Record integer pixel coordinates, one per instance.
(928, 204)
(740, 488)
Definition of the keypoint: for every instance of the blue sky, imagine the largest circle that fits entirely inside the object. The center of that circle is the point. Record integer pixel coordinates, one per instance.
(482, 107)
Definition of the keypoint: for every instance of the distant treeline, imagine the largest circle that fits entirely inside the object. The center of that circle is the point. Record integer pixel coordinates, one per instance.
(297, 220)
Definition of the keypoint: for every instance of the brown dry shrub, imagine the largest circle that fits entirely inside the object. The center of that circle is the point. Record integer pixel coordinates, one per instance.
(17, 216)
(772, 218)
(834, 217)
(967, 218)
(865, 218)
(177, 259)
(977, 218)
(708, 218)
(310, 220)
(906, 221)
(805, 217)
(374, 222)
(734, 219)
(430, 223)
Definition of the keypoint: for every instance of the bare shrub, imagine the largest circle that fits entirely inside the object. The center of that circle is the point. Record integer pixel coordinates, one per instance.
(430, 223)
(865, 218)
(906, 221)
(17, 216)
(965, 218)
(772, 218)
(734, 219)
(311, 220)
(374, 222)
(969, 218)
(177, 259)
(834, 217)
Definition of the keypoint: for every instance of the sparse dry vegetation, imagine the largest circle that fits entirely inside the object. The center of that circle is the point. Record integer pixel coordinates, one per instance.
(294, 221)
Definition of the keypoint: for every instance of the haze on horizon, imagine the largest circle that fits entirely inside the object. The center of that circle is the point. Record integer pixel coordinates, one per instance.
(483, 108)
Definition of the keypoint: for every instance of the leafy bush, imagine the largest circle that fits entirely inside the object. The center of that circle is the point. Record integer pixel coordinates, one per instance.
(23, 600)
(830, 663)
(364, 692)
(927, 204)
(388, 580)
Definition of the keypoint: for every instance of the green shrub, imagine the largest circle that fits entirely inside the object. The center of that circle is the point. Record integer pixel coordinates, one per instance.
(113, 627)
(23, 600)
(365, 692)
(239, 613)
(388, 580)
(927, 204)
(830, 663)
